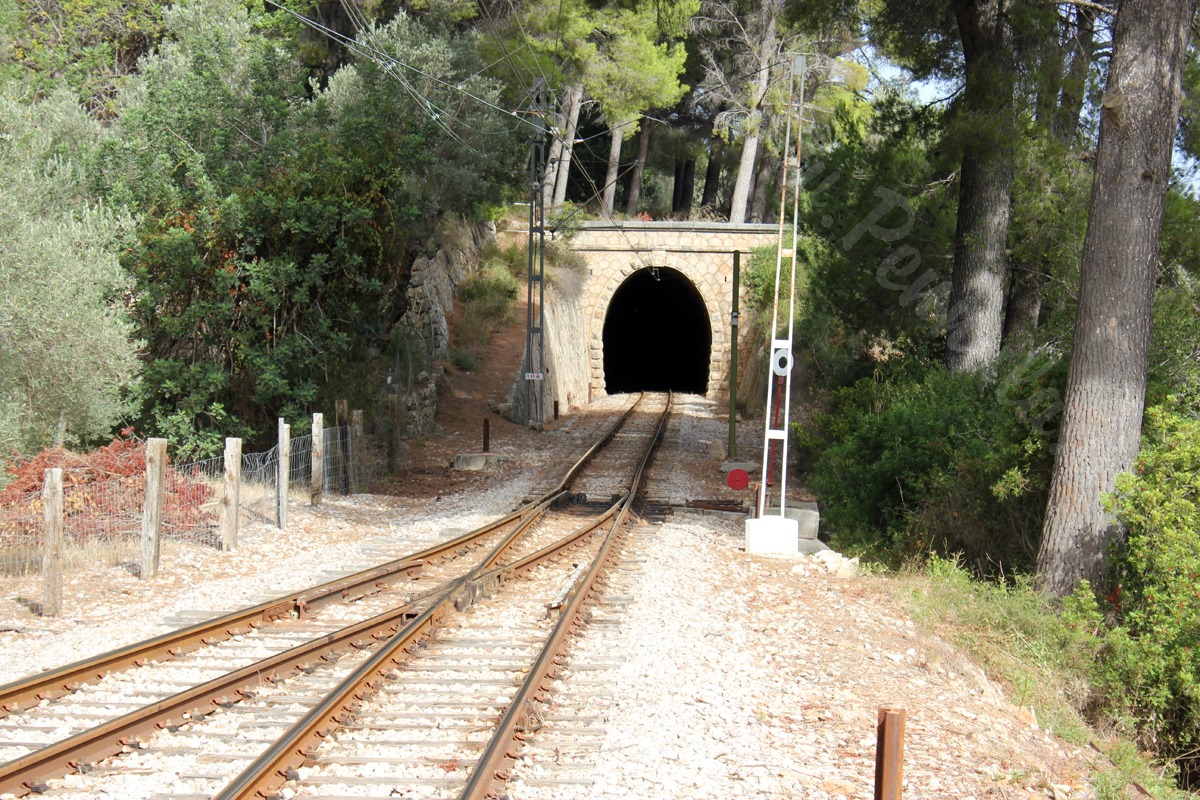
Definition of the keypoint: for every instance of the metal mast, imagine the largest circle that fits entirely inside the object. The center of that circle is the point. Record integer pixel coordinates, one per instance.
(779, 383)
(535, 340)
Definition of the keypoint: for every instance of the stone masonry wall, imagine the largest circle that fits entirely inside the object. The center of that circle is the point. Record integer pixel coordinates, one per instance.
(567, 369)
(701, 251)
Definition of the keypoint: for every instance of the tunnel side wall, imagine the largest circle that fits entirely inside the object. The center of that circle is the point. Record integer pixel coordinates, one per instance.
(567, 372)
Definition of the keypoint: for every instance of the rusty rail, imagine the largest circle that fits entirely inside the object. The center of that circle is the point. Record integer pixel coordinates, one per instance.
(492, 770)
(31, 690)
(405, 625)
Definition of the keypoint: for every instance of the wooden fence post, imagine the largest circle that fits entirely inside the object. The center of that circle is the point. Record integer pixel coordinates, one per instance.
(341, 409)
(229, 501)
(52, 507)
(317, 483)
(393, 427)
(356, 445)
(152, 510)
(281, 480)
(889, 754)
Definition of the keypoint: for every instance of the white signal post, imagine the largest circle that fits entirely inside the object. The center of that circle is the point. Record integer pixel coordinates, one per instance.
(771, 532)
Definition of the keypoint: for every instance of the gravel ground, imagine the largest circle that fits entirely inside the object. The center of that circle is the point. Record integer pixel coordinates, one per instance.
(782, 703)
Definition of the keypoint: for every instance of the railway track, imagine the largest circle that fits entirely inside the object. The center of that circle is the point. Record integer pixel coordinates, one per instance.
(413, 678)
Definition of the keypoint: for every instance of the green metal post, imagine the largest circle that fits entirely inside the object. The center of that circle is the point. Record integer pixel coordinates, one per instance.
(733, 355)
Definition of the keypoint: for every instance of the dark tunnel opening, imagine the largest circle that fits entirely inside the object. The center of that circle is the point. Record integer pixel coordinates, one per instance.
(656, 335)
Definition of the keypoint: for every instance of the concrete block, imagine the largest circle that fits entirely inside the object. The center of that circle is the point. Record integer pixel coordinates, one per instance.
(812, 546)
(772, 534)
(808, 519)
(470, 462)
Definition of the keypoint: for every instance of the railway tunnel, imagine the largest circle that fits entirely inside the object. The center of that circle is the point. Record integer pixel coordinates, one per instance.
(657, 335)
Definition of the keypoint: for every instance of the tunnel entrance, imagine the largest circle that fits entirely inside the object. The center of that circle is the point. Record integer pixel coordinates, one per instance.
(656, 335)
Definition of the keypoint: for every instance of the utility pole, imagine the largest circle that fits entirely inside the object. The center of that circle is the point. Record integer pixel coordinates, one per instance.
(535, 337)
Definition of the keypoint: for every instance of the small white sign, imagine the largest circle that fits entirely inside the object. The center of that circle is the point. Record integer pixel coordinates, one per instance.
(535, 376)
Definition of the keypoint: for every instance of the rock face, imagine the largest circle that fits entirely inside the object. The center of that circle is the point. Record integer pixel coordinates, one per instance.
(423, 333)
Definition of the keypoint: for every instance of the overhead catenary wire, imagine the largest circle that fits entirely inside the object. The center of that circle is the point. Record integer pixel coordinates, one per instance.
(389, 64)
(505, 53)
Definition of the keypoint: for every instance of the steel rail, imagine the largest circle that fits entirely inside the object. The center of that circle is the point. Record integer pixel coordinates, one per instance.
(24, 774)
(280, 762)
(490, 773)
(31, 690)
(106, 739)
(27, 772)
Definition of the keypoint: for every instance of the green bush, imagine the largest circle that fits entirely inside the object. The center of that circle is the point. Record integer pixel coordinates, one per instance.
(487, 297)
(462, 360)
(911, 465)
(1151, 666)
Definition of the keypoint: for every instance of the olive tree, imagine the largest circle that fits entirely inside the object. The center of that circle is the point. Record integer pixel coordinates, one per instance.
(66, 357)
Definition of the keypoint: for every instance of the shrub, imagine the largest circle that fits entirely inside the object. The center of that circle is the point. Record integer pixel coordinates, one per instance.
(1151, 666)
(905, 467)
(462, 360)
(487, 297)
(105, 485)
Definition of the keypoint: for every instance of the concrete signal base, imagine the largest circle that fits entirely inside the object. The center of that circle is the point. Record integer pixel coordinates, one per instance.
(772, 534)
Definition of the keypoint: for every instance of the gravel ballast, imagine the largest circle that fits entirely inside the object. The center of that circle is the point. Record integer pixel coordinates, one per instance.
(742, 676)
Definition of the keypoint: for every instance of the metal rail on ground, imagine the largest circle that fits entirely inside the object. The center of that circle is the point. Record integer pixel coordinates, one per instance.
(25, 773)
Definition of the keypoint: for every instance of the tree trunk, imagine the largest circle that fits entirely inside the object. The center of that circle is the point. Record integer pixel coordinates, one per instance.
(762, 184)
(1024, 305)
(712, 174)
(554, 154)
(772, 213)
(689, 187)
(609, 195)
(755, 117)
(975, 321)
(635, 181)
(1074, 83)
(677, 187)
(573, 102)
(1106, 381)
(745, 173)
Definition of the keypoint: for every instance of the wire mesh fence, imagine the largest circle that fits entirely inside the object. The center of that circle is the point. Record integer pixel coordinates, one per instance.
(21, 524)
(192, 502)
(103, 520)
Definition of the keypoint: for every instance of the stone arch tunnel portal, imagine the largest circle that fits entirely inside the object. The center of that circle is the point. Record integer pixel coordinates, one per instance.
(657, 336)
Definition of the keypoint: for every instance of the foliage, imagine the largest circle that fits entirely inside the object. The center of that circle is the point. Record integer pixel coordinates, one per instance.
(487, 298)
(462, 361)
(1175, 345)
(634, 71)
(99, 486)
(1151, 665)
(86, 46)
(554, 39)
(876, 201)
(277, 228)
(906, 464)
(1049, 198)
(1043, 652)
(1189, 128)
(65, 354)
